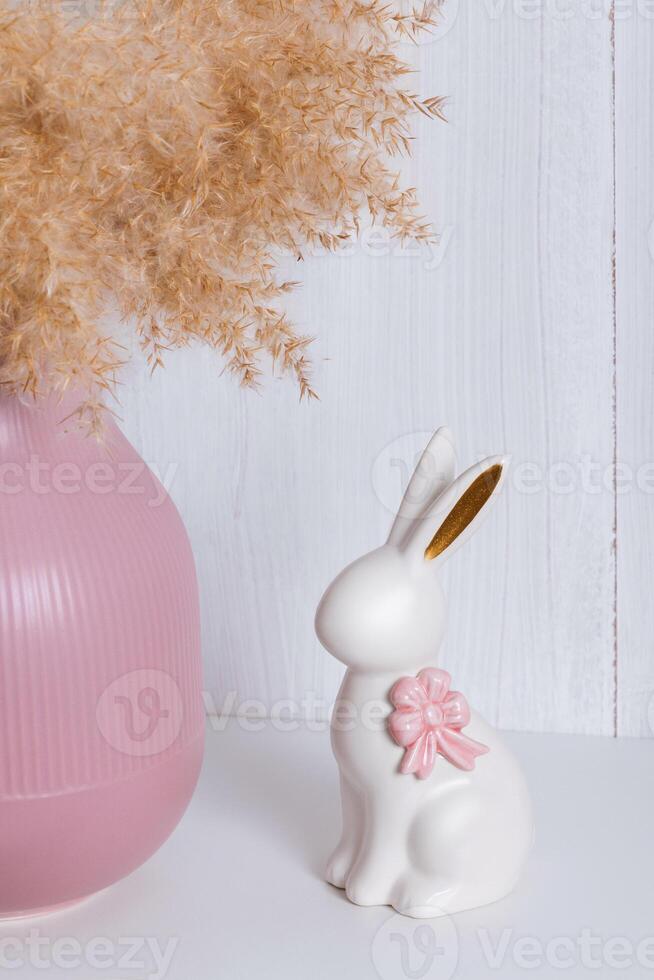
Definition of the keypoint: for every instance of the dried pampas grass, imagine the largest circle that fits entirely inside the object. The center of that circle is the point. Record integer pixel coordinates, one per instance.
(154, 157)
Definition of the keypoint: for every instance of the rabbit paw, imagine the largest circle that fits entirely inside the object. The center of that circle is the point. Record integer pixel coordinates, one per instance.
(420, 898)
(366, 888)
(339, 867)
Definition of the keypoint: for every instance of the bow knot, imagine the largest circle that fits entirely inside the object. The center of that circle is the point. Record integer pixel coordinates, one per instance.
(427, 722)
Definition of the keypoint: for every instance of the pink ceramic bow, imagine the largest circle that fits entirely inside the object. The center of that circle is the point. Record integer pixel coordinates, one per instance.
(427, 722)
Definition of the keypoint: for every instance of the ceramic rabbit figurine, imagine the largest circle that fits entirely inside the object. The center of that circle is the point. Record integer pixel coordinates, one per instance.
(436, 813)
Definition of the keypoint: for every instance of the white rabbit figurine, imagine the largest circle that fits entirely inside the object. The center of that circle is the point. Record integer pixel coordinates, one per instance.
(436, 813)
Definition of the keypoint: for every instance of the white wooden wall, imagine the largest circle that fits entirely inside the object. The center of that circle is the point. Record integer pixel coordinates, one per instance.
(542, 186)
(634, 59)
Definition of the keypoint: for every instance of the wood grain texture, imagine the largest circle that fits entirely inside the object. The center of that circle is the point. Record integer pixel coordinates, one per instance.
(635, 370)
(505, 334)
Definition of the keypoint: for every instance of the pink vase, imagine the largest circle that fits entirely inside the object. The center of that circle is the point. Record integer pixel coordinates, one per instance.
(101, 719)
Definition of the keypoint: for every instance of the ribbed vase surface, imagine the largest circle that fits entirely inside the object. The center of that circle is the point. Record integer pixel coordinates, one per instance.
(101, 718)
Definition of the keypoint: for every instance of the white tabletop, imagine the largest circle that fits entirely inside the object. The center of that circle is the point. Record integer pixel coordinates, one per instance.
(237, 891)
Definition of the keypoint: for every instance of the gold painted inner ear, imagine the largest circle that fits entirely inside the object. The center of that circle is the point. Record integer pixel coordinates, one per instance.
(464, 511)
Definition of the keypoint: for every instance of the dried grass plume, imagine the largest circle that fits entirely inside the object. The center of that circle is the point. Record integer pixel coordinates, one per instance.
(155, 157)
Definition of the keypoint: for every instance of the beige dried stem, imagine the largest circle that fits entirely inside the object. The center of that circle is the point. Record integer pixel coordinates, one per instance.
(156, 156)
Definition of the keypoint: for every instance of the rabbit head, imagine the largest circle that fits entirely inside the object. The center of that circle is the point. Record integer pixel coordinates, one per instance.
(387, 609)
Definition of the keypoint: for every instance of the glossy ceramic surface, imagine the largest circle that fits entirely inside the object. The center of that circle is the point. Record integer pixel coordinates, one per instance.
(436, 812)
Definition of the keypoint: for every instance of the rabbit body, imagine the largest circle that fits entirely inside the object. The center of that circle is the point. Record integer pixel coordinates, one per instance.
(453, 841)
(459, 836)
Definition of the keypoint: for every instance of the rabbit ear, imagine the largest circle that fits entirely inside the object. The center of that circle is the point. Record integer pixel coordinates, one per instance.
(434, 472)
(458, 511)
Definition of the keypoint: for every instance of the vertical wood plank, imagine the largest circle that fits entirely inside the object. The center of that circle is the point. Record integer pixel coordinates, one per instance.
(505, 334)
(635, 368)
